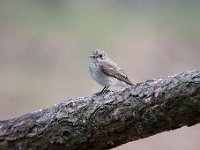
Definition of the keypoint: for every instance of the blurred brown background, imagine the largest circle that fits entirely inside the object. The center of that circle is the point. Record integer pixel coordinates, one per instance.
(45, 44)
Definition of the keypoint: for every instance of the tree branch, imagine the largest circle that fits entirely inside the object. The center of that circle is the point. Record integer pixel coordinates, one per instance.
(110, 119)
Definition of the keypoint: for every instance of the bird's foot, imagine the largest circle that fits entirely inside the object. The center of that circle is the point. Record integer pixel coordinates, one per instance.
(102, 92)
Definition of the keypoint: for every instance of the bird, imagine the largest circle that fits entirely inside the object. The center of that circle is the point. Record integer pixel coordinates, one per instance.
(106, 72)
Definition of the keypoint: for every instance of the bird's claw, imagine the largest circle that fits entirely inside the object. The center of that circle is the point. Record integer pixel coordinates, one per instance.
(102, 92)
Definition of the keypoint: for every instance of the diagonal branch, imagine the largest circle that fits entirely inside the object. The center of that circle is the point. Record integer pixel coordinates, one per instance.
(110, 119)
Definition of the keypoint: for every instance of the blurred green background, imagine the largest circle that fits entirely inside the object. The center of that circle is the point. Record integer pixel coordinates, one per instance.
(45, 47)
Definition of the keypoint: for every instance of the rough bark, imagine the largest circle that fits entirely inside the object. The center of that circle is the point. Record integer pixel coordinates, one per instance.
(102, 121)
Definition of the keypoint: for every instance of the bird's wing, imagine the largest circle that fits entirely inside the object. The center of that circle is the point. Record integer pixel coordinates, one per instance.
(115, 72)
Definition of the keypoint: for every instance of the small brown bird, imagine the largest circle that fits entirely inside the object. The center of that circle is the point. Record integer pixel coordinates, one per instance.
(106, 72)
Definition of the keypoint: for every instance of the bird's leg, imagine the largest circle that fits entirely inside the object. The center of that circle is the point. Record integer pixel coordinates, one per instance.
(104, 89)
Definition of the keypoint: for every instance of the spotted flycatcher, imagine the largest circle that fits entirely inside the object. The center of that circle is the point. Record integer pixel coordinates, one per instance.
(105, 71)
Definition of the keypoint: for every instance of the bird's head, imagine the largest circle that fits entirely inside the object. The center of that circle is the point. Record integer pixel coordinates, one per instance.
(99, 55)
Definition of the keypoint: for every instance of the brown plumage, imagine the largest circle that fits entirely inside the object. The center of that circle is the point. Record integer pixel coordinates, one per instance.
(115, 72)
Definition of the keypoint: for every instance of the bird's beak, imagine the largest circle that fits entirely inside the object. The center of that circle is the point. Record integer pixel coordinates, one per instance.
(92, 56)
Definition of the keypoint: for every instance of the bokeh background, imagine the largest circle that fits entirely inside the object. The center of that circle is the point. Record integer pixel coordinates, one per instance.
(45, 47)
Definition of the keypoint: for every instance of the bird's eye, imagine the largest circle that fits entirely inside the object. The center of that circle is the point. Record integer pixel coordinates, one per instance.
(100, 56)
